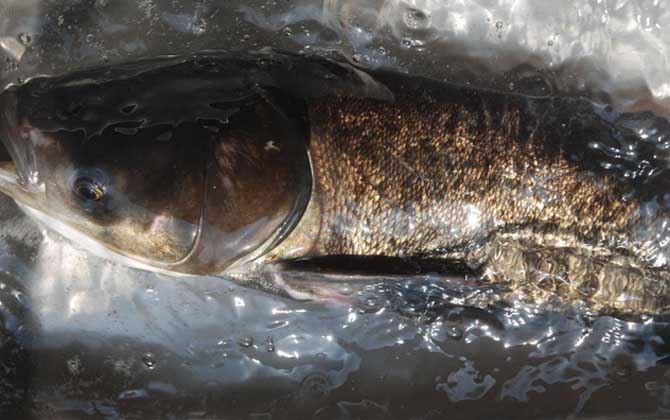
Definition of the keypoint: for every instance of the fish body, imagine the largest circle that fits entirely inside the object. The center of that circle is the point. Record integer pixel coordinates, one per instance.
(476, 177)
(281, 159)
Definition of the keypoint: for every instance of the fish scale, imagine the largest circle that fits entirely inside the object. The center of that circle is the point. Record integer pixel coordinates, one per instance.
(502, 170)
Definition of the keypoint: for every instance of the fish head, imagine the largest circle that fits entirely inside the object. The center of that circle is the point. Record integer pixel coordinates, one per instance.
(187, 197)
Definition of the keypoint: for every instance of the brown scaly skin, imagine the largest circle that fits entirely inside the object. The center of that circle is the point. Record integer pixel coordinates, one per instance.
(432, 177)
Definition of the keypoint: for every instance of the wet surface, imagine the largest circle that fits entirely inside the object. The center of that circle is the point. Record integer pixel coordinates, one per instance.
(88, 339)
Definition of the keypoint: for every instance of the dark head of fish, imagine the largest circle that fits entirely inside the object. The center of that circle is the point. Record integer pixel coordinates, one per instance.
(184, 175)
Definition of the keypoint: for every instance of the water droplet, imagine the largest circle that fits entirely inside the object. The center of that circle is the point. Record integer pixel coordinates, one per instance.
(246, 341)
(550, 42)
(26, 39)
(90, 38)
(269, 344)
(454, 332)
(287, 31)
(499, 24)
(149, 360)
(357, 58)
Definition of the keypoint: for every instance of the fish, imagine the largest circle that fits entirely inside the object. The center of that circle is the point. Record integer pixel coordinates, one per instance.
(266, 164)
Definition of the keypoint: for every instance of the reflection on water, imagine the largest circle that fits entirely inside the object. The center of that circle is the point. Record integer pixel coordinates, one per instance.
(88, 338)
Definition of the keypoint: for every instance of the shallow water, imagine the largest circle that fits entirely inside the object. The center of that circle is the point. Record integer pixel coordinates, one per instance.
(84, 338)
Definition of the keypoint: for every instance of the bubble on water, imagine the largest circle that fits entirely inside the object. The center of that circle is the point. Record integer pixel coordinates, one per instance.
(246, 342)
(454, 332)
(287, 31)
(269, 344)
(90, 38)
(372, 304)
(499, 24)
(149, 360)
(550, 42)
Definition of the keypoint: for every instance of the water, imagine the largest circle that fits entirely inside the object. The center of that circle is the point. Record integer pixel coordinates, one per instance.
(84, 338)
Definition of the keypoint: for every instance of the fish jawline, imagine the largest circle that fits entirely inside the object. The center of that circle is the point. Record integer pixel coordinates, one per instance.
(84, 242)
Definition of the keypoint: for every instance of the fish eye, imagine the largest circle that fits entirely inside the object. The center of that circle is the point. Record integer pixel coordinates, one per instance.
(88, 190)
